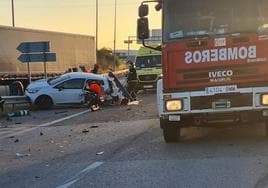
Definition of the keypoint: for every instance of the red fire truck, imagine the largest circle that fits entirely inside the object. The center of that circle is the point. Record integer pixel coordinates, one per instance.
(215, 62)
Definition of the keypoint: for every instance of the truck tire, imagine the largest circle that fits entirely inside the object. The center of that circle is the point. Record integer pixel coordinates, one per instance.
(16, 88)
(171, 132)
(43, 102)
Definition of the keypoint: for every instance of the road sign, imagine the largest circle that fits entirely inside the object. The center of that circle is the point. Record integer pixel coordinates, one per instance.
(128, 41)
(40, 57)
(30, 47)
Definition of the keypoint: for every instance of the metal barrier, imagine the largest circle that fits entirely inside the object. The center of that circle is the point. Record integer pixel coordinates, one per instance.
(13, 100)
(4, 90)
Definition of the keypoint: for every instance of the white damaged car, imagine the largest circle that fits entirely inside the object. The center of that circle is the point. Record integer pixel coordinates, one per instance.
(68, 88)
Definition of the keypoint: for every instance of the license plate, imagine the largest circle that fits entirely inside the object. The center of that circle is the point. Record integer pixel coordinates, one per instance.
(148, 86)
(220, 89)
(174, 118)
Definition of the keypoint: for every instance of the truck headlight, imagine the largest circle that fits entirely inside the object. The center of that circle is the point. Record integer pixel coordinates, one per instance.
(264, 99)
(174, 105)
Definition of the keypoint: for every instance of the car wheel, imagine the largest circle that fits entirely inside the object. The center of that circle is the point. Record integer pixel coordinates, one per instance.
(171, 132)
(43, 102)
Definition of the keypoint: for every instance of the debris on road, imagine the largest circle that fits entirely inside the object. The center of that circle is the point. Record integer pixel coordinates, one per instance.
(133, 103)
(85, 131)
(23, 154)
(17, 140)
(100, 153)
(19, 113)
(94, 127)
(29, 148)
(37, 177)
(41, 134)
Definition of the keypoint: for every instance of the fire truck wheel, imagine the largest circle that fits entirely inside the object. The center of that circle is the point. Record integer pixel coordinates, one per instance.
(43, 102)
(266, 128)
(171, 134)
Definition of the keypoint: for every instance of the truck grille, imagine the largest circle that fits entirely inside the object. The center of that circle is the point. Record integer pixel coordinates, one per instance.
(235, 100)
(149, 77)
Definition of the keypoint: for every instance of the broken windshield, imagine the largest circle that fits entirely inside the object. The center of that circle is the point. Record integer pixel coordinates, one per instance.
(209, 17)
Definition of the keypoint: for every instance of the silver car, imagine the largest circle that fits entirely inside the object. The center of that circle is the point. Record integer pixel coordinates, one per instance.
(68, 88)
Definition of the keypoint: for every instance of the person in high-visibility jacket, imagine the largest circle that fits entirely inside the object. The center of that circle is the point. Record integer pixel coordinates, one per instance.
(96, 96)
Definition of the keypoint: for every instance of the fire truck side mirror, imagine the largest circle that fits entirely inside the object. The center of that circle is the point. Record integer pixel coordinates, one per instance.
(143, 11)
(143, 31)
(158, 7)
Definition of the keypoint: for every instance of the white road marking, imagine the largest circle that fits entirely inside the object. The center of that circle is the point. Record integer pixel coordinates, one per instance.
(45, 124)
(80, 175)
(63, 119)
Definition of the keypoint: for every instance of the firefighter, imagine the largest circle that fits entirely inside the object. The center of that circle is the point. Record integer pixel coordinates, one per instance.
(132, 81)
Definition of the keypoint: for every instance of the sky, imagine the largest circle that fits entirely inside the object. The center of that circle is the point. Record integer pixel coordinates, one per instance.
(78, 16)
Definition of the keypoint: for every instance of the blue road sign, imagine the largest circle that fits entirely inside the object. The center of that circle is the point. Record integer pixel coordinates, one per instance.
(29, 47)
(42, 57)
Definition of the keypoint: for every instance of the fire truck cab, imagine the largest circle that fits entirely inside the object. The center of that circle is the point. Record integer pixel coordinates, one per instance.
(214, 62)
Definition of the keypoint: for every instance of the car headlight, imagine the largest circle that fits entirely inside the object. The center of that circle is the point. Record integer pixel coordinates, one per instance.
(32, 90)
(264, 99)
(174, 105)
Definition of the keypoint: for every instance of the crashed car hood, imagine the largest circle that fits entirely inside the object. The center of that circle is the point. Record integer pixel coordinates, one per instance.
(38, 84)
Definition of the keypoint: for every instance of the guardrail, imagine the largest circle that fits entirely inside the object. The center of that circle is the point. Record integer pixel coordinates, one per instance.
(13, 100)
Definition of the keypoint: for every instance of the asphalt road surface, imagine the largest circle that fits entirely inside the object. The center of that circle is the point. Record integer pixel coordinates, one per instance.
(124, 147)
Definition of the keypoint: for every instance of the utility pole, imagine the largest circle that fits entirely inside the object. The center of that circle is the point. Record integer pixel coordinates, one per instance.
(97, 28)
(13, 14)
(114, 34)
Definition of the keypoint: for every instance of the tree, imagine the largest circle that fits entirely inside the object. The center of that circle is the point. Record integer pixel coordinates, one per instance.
(105, 59)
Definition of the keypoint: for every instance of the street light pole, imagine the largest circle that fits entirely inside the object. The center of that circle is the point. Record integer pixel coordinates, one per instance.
(13, 14)
(128, 48)
(97, 28)
(128, 42)
(114, 34)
